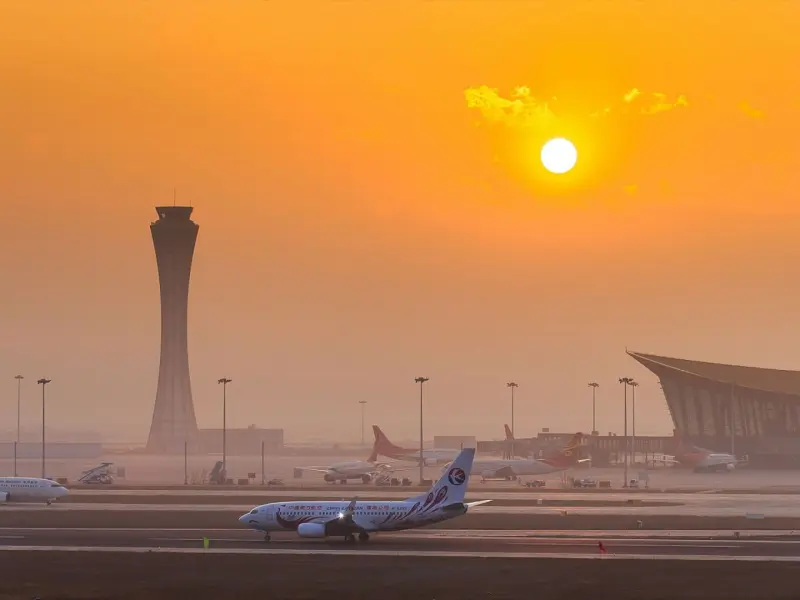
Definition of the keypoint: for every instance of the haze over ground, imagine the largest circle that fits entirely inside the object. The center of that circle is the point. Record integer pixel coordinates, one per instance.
(358, 228)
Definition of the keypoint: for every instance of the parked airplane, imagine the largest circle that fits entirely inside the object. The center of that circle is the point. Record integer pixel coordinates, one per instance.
(366, 471)
(559, 460)
(444, 501)
(30, 489)
(700, 459)
(431, 456)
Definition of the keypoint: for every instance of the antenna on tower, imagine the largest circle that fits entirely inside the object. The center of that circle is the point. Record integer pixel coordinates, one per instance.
(174, 196)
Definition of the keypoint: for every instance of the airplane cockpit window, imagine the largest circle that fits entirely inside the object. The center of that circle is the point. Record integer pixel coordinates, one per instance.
(254, 511)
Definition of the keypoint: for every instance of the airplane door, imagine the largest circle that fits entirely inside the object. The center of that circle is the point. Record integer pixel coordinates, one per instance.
(269, 514)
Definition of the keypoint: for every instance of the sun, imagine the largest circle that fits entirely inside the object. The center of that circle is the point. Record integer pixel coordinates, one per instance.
(559, 155)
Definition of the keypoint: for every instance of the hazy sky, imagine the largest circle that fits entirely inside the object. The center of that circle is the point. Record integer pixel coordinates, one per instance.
(360, 225)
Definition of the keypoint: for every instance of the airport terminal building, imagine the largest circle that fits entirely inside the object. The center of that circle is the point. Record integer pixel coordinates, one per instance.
(754, 411)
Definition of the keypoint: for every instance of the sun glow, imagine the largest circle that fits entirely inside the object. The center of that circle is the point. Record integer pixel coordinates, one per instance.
(559, 155)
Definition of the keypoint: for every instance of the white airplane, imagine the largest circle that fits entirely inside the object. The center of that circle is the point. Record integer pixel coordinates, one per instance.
(699, 459)
(309, 519)
(366, 471)
(559, 460)
(431, 456)
(30, 489)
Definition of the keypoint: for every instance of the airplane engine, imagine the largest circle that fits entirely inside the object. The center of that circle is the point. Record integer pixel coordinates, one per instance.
(487, 474)
(366, 478)
(730, 466)
(329, 478)
(311, 530)
(4, 497)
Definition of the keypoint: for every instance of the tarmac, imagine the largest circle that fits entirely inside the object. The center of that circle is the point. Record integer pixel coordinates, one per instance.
(450, 543)
(711, 504)
(138, 558)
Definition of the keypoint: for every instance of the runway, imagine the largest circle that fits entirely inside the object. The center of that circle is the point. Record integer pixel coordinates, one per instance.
(451, 543)
(614, 503)
(751, 509)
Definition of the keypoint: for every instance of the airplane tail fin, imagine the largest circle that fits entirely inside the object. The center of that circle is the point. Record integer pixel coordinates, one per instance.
(575, 441)
(373, 456)
(383, 446)
(681, 444)
(452, 486)
(509, 435)
(567, 456)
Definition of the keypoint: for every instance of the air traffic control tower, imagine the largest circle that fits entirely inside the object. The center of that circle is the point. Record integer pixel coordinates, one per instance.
(174, 422)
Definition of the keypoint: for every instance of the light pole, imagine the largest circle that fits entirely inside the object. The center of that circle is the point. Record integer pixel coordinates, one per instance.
(513, 385)
(363, 404)
(625, 381)
(43, 382)
(733, 431)
(19, 379)
(421, 381)
(633, 385)
(224, 381)
(594, 385)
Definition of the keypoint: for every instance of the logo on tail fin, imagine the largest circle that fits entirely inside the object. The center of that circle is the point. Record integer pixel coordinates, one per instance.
(457, 476)
(566, 457)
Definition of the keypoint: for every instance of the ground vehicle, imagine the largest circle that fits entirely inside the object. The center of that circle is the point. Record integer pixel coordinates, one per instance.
(586, 482)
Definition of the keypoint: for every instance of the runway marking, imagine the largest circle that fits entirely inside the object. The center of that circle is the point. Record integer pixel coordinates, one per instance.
(531, 542)
(402, 553)
(630, 537)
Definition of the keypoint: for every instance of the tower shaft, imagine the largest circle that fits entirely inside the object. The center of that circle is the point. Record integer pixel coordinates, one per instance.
(174, 422)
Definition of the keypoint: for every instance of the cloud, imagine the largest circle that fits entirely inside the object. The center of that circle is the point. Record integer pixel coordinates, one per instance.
(521, 109)
(637, 102)
(631, 189)
(751, 112)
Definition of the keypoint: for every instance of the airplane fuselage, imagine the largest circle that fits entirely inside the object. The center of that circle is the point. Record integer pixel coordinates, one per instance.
(354, 468)
(357, 469)
(370, 516)
(433, 456)
(517, 467)
(716, 463)
(30, 489)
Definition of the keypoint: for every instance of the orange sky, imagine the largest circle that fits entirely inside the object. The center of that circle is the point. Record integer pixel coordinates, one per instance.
(360, 225)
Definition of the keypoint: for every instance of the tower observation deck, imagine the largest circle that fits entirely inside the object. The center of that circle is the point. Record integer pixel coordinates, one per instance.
(174, 423)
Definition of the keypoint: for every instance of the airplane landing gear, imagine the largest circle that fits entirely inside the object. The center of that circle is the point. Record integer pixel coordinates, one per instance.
(49, 502)
(363, 536)
(349, 538)
(267, 537)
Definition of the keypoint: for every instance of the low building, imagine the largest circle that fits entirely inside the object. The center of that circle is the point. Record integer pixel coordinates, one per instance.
(455, 442)
(241, 442)
(52, 450)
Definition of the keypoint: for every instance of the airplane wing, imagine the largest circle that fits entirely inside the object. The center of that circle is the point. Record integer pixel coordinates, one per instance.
(317, 469)
(396, 470)
(476, 503)
(584, 460)
(344, 522)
